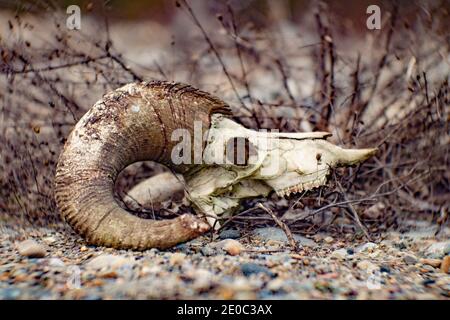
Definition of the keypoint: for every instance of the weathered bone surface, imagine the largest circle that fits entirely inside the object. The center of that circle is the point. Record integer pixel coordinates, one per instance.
(159, 188)
(283, 162)
(135, 123)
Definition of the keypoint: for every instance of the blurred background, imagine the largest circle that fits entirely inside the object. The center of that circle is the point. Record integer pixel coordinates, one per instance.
(290, 65)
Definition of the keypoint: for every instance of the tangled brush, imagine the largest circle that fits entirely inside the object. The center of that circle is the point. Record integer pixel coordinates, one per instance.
(388, 89)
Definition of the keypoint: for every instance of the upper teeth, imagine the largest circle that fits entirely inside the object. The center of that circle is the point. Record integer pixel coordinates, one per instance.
(300, 187)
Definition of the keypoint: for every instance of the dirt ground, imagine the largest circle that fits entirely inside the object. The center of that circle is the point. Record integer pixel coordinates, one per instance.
(406, 265)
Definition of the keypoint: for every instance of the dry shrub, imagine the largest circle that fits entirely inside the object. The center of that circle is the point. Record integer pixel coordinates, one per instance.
(388, 89)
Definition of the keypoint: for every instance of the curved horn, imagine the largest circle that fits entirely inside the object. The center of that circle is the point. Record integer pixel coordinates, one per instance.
(133, 123)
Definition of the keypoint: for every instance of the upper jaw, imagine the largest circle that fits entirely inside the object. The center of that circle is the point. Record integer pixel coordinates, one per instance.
(300, 187)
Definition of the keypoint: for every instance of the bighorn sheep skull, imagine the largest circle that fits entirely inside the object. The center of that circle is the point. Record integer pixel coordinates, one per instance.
(137, 122)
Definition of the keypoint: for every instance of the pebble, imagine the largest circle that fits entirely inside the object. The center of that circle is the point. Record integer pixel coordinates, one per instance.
(400, 245)
(366, 265)
(182, 247)
(49, 240)
(428, 268)
(279, 258)
(202, 279)
(275, 284)
(109, 261)
(385, 269)
(369, 246)
(207, 251)
(431, 262)
(428, 282)
(252, 268)
(31, 249)
(146, 270)
(447, 249)
(437, 250)
(240, 283)
(9, 294)
(230, 234)
(340, 254)
(277, 234)
(177, 259)
(410, 259)
(445, 265)
(328, 239)
(232, 247)
(56, 262)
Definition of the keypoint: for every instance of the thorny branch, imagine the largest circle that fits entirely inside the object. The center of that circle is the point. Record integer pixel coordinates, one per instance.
(397, 100)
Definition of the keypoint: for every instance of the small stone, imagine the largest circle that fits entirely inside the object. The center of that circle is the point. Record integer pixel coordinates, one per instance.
(447, 249)
(340, 254)
(410, 259)
(323, 268)
(385, 269)
(328, 239)
(9, 293)
(427, 268)
(177, 259)
(202, 280)
(366, 265)
(297, 256)
(277, 234)
(56, 262)
(240, 283)
(153, 251)
(49, 240)
(375, 254)
(182, 247)
(107, 274)
(369, 246)
(278, 259)
(233, 247)
(275, 284)
(230, 234)
(109, 261)
(207, 251)
(431, 262)
(437, 250)
(225, 293)
(83, 249)
(146, 270)
(31, 249)
(252, 268)
(274, 243)
(445, 265)
(428, 282)
(400, 245)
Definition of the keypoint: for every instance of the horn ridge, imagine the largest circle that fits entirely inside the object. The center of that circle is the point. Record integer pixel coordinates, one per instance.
(130, 124)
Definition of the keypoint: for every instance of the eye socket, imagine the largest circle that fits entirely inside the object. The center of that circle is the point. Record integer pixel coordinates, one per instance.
(238, 151)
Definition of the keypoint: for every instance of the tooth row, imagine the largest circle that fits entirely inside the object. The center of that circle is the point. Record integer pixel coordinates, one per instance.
(300, 187)
(290, 190)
